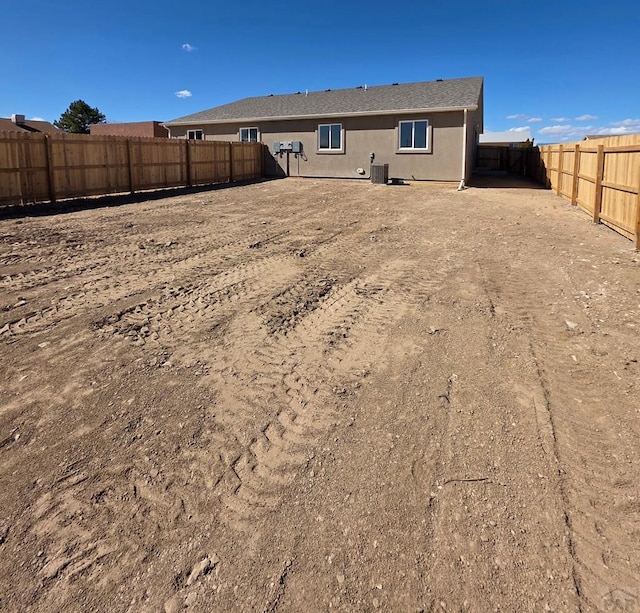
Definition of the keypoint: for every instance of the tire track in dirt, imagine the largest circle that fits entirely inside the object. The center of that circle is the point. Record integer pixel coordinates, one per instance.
(598, 485)
(183, 314)
(178, 311)
(178, 314)
(130, 475)
(296, 379)
(490, 510)
(108, 288)
(299, 403)
(310, 332)
(91, 288)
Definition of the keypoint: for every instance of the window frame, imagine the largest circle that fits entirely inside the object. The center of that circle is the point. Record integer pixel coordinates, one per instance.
(330, 149)
(195, 132)
(249, 128)
(413, 148)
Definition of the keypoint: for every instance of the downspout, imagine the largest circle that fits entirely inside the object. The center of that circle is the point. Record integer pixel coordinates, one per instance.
(464, 152)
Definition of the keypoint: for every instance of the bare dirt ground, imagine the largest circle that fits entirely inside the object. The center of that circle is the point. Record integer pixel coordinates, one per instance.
(320, 395)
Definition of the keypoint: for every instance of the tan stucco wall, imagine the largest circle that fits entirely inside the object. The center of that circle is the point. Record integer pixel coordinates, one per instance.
(362, 135)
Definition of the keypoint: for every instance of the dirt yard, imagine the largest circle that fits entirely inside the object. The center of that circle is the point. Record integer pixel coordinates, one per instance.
(302, 396)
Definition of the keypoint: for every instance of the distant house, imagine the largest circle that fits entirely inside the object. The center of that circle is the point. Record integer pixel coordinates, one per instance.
(151, 129)
(423, 131)
(18, 123)
(521, 138)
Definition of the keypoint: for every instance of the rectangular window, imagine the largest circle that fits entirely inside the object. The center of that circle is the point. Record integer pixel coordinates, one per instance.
(414, 135)
(330, 137)
(249, 135)
(195, 134)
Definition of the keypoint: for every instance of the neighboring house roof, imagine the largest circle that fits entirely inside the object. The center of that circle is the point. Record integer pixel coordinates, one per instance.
(29, 125)
(437, 95)
(521, 136)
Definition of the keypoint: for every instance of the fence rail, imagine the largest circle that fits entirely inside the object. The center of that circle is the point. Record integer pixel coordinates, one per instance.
(601, 178)
(51, 167)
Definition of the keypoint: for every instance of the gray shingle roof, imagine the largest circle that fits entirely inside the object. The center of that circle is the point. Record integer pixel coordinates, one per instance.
(425, 95)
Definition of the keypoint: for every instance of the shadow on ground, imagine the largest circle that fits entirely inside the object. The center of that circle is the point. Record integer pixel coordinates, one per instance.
(39, 209)
(503, 180)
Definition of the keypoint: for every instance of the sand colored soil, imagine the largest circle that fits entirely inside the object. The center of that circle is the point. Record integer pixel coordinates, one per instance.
(309, 396)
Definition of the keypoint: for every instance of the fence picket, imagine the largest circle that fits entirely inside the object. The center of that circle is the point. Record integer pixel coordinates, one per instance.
(597, 204)
(39, 167)
(605, 180)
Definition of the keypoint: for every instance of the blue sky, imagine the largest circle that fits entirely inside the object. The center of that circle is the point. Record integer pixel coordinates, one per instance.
(561, 68)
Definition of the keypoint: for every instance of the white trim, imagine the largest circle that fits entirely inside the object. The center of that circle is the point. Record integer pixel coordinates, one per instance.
(427, 146)
(195, 131)
(322, 115)
(249, 128)
(330, 149)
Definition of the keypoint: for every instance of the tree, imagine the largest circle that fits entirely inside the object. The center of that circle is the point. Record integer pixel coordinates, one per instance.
(78, 117)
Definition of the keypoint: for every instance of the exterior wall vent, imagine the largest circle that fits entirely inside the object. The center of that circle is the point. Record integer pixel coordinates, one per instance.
(379, 174)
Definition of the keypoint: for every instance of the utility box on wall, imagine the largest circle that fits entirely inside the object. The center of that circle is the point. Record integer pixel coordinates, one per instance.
(287, 145)
(380, 174)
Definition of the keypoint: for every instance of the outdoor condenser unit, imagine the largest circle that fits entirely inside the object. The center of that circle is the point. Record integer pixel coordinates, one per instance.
(380, 173)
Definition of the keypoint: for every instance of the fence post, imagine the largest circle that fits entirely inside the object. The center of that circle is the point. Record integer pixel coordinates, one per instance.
(548, 168)
(559, 186)
(576, 172)
(597, 204)
(22, 166)
(230, 162)
(638, 220)
(130, 166)
(188, 162)
(50, 176)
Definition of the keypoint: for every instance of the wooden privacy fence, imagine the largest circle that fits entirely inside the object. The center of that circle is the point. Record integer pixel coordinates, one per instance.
(50, 167)
(602, 179)
(507, 159)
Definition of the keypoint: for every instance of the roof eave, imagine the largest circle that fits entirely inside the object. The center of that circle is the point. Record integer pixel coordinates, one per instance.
(470, 107)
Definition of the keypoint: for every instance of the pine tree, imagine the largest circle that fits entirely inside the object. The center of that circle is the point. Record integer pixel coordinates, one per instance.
(78, 117)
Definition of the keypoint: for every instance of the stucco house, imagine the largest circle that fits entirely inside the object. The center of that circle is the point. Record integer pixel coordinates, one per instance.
(423, 131)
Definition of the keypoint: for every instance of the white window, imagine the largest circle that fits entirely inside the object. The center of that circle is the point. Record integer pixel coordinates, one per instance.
(414, 135)
(330, 137)
(195, 134)
(249, 135)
